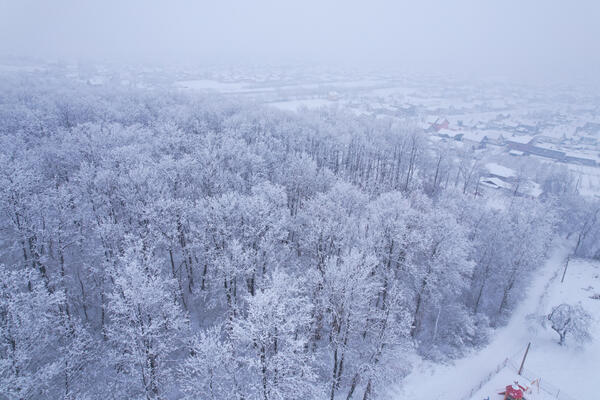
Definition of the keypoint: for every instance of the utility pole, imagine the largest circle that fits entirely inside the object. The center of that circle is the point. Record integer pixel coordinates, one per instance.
(524, 357)
(565, 271)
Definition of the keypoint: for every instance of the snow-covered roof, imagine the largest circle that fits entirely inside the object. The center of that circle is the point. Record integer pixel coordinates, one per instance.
(479, 135)
(474, 136)
(500, 170)
(520, 138)
(493, 134)
(495, 183)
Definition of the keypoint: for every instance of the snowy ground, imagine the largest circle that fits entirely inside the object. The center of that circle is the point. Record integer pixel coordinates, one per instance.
(572, 369)
(295, 105)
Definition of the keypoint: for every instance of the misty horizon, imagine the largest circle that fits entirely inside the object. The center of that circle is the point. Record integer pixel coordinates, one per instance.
(539, 41)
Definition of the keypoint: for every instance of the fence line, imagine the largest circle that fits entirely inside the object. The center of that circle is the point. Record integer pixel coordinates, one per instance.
(485, 380)
(544, 386)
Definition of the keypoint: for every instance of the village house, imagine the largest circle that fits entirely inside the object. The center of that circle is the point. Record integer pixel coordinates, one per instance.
(482, 138)
(439, 124)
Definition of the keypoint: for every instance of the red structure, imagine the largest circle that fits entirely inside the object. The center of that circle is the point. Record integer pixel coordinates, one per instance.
(437, 125)
(514, 392)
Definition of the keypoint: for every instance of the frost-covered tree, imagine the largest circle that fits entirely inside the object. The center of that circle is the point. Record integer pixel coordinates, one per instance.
(30, 361)
(210, 369)
(348, 288)
(329, 223)
(271, 341)
(146, 326)
(532, 226)
(573, 320)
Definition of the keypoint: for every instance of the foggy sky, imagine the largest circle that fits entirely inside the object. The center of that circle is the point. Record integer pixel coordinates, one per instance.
(549, 38)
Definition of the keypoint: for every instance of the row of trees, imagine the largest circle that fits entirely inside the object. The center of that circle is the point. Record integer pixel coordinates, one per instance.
(155, 245)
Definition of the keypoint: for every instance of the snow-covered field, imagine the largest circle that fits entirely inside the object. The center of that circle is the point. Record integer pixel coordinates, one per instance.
(565, 372)
(295, 105)
(211, 85)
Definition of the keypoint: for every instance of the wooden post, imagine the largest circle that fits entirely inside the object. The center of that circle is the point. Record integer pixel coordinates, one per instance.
(565, 271)
(524, 357)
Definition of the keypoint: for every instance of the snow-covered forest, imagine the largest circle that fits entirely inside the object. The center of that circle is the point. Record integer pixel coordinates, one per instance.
(163, 245)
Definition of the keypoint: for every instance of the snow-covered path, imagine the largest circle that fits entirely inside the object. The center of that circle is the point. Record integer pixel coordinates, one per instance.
(431, 381)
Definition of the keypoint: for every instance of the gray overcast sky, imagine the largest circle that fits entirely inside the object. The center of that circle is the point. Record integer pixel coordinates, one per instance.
(514, 37)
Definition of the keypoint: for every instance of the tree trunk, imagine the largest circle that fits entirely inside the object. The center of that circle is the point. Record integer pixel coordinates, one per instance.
(367, 390)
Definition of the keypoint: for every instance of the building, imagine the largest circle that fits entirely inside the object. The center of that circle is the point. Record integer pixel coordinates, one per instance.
(438, 124)
(535, 150)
